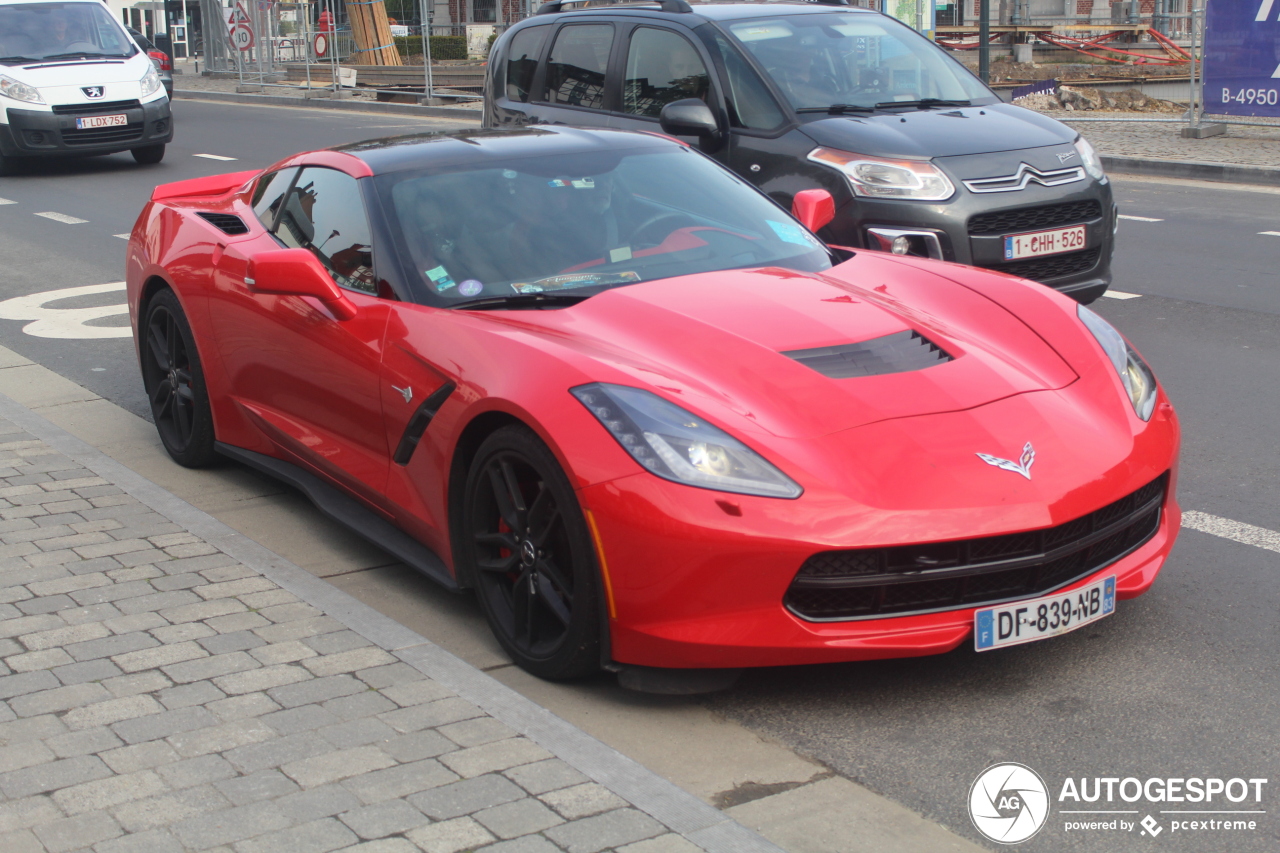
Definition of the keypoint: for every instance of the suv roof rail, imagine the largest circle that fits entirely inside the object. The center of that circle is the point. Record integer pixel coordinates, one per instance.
(665, 5)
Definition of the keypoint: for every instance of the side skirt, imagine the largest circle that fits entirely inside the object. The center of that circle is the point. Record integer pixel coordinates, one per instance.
(350, 513)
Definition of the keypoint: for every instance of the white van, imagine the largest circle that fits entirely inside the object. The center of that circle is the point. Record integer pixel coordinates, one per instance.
(72, 82)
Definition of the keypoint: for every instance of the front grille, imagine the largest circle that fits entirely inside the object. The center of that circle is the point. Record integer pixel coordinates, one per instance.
(1033, 218)
(896, 353)
(906, 579)
(100, 135)
(227, 223)
(1053, 266)
(97, 108)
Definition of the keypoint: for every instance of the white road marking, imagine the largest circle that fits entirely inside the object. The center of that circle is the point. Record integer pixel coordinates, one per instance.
(1140, 218)
(1120, 294)
(66, 322)
(213, 156)
(61, 217)
(1238, 531)
(1270, 233)
(7, 201)
(122, 236)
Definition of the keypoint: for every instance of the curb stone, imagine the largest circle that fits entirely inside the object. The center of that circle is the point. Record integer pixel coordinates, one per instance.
(678, 810)
(330, 104)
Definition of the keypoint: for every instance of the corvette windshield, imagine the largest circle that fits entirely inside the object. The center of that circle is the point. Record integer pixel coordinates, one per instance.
(43, 31)
(584, 223)
(854, 60)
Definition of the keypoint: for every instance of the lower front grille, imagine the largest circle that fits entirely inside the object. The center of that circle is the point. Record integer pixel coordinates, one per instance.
(907, 579)
(102, 135)
(1053, 266)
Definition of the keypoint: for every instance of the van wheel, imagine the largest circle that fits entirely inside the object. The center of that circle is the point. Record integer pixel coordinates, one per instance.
(8, 165)
(148, 155)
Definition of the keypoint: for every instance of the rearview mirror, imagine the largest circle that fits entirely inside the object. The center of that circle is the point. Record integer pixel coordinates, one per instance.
(814, 208)
(689, 117)
(297, 272)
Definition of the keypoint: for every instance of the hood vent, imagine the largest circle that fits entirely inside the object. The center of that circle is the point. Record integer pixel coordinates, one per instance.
(227, 223)
(900, 352)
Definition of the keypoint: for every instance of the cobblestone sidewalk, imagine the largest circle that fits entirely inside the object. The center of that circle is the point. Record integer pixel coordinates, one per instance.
(1240, 146)
(158, 694)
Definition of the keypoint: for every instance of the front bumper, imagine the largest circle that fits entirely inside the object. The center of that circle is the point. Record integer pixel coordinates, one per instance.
(40, 133)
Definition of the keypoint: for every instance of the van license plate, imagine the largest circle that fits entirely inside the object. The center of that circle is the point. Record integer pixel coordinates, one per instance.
(1037, 618)
(89, 122)
(1043, 243)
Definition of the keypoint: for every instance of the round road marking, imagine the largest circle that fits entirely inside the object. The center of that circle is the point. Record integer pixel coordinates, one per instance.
(66, 322)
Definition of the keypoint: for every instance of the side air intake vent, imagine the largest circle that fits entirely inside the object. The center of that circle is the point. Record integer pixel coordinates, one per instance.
(226, 223)
(900, 352)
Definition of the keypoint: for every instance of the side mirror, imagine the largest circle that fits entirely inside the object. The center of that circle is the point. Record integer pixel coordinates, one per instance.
(296, 272)
(689, 117)
(814, 208)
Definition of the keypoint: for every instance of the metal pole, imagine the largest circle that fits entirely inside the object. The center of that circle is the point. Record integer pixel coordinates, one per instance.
(1196, 90)
(984, 40)
(426, 51)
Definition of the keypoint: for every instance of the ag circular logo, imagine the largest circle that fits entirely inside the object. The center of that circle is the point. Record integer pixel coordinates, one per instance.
(1008, 803)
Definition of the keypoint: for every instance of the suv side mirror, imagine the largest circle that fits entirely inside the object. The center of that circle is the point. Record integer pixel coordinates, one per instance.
(689, 117)
(814, 208)
(296, 272)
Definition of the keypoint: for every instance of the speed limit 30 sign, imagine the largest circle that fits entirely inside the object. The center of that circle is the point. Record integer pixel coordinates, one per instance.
(241, 31)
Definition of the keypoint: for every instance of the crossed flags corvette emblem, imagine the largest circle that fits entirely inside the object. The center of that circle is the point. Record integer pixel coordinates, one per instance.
(1022, 466)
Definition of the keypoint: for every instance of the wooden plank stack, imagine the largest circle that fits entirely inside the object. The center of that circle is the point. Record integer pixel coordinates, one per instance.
(372, 33)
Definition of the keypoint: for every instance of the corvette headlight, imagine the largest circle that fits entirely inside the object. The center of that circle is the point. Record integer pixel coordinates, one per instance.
(1138, 379)
(150, 81)
(1091, 161)
(678, 445)
(878, 177)
(19, 91)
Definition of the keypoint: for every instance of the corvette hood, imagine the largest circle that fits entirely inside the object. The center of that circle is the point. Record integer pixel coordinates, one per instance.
(718, 343)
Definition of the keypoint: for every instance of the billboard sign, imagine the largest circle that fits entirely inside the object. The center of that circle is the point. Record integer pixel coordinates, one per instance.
(1242, 58)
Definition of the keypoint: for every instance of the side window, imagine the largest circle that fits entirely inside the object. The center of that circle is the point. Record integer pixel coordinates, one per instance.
(662, 67)
(752, 105)
(324, 214)
(575, 69)
(522, 61)
(268, 193)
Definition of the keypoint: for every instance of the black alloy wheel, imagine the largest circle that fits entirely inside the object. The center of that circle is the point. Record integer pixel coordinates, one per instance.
(174, 383)
(532, 559)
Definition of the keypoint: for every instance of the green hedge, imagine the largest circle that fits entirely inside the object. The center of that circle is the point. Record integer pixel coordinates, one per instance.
(442, 47)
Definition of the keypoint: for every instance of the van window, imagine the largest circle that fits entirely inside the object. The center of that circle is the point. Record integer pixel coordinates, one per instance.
(38, 31)
(522, 61)
(661, 67)
(751, 105)
(575, 69)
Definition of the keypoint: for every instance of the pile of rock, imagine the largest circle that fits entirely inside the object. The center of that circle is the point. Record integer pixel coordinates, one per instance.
(1084, 98)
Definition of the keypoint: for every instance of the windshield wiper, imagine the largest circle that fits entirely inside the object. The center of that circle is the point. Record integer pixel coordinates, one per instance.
(81, 54)
(18, 59)
(837, 109)
(925, 102)
(525, 300)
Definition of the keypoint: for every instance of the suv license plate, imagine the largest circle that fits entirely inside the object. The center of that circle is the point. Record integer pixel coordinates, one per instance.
(1037, 618)
(1043, 243)
(89, 122)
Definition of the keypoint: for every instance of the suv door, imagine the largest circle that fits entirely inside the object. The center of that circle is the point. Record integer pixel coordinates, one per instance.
(661, 65)
(574, 87)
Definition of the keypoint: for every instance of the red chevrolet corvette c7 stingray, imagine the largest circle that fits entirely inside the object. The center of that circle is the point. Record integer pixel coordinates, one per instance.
(645, 413)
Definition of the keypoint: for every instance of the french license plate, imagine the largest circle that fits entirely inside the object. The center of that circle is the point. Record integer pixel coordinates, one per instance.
(1037, 618)
(89, 122)
(1043, 243)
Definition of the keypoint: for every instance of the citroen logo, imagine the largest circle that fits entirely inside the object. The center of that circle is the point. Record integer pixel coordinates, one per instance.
(1022, 466)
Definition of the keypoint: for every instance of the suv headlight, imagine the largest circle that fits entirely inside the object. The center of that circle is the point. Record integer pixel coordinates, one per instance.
(1137, 377)
(878, 177)
(150, 81)
(19, 91)
(678, 445)
(1091, 161)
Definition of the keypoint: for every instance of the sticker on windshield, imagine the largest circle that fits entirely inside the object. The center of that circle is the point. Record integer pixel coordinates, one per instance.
(558, 182)
(584, 184)
(440, 278)
(581, 279)
(619, 255)
(791, 233)
(470, 287)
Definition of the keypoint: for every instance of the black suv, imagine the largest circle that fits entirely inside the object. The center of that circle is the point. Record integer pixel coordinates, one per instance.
(921, 157)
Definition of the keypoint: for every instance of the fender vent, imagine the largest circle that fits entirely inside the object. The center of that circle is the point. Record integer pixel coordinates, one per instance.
(226, 223)
(900, 352)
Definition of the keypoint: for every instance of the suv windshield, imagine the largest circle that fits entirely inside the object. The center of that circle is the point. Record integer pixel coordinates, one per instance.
(856, 60)
(579, 224)
(40, 31)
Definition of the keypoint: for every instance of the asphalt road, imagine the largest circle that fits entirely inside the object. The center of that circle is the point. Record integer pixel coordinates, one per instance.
(1183, 682)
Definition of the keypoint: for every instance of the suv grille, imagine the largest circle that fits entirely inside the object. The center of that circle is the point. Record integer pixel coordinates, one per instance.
(99, 135)
(1031, 218)
(1053, 266)
(876, 582)
(102, 107)
(896, 353)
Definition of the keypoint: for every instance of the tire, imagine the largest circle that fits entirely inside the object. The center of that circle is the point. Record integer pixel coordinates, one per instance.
(531, 556)
(174, 382)
(148, 155)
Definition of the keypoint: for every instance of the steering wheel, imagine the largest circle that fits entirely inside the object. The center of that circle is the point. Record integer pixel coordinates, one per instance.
(676, 219)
